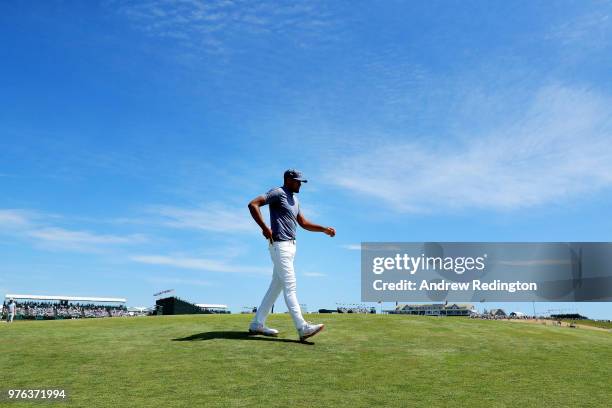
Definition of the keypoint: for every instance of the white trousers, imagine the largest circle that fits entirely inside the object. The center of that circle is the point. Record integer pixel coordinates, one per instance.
(283, 279)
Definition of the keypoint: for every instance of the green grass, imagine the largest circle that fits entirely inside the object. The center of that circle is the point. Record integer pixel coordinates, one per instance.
(358, 361)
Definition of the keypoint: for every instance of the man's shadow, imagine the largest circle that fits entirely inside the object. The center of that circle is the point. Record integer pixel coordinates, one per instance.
(236, 335)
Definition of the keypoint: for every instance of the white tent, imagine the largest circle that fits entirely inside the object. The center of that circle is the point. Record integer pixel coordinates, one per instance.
(66, 298)
(211, 306)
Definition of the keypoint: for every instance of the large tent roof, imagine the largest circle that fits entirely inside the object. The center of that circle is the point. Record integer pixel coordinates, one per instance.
(68, 298)
(211, 306)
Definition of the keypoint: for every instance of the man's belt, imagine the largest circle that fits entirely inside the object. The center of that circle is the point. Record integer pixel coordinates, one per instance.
(283, 240)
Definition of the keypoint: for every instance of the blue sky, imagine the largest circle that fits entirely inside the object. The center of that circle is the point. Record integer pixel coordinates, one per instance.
(133, 134)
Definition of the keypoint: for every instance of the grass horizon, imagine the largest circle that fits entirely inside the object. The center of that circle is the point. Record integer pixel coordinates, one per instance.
(358, 361)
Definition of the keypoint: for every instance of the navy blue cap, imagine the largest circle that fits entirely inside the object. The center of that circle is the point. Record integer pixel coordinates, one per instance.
(295, 175)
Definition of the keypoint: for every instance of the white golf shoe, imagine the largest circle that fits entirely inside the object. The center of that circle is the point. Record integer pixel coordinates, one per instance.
(309, 330)
(263, 330)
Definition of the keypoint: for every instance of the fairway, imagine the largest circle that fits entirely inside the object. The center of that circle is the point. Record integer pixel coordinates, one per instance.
(358, 361)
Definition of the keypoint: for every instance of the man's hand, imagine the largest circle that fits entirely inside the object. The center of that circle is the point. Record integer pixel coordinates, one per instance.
(267, 232)
(330, 231)
(256, 214)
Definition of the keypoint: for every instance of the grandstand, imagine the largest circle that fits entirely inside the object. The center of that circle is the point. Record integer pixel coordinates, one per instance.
(213, 308)
(140, 311)
(354, 308)
(570, 316)
(435, 309)
(44, 307)
(174, 305)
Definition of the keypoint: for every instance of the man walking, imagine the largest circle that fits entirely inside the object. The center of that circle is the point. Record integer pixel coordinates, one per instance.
(11, 311)
(285, 214)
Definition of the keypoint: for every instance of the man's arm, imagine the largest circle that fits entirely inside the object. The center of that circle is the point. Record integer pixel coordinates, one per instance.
(309, 226)
(256, 214)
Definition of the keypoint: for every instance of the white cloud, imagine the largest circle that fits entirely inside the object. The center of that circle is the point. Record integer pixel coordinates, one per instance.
(352, 247)
(39, 228)
(314, 274)
(590, 30)
(14, 218)
(311, 210)
(64, 236)
(558, 150)
(213, 27)
(52, 238)
(204, 264)
(210, 217)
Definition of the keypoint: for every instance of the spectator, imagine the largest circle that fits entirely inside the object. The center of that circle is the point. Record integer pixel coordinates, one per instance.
(11, 311)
